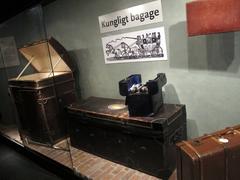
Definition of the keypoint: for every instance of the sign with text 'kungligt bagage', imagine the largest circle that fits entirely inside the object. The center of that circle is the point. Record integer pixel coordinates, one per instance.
(131, 17)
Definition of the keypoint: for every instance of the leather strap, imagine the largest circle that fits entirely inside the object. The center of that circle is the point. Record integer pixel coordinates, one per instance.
(199, 157)
(236, 131)
(215, 139)
(45, 120)
(226, 156)
(192, 148)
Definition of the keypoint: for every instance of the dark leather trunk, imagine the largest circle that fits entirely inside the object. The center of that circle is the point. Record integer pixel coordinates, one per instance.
(143, 143)
(41, 108)
(214, 156)
(40, 97)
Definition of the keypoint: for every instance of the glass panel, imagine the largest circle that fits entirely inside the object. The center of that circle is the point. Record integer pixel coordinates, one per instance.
(8, 125)
(29, 58)
(99, 137)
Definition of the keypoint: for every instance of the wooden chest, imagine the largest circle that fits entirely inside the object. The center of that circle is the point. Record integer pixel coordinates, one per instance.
(103, 127)
(41, 97)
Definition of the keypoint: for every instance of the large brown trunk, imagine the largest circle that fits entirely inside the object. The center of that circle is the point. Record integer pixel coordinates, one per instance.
(41, 108)
(212, 16)
(40, 97)
(143, 143)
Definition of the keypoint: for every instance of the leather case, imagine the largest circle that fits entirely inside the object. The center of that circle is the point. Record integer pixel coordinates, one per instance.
(143, 100)
(213, 156)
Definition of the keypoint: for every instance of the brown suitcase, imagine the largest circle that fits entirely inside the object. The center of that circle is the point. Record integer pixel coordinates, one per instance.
(40, 97)
(210, 157)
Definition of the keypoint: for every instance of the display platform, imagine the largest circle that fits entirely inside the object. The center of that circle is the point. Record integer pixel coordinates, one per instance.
(86, 165)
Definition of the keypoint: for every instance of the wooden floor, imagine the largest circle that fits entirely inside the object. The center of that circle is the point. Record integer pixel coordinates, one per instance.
(88, 165)
(95, 167)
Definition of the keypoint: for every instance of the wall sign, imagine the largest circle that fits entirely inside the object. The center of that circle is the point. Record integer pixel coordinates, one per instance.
(138, 46)
(135, 16)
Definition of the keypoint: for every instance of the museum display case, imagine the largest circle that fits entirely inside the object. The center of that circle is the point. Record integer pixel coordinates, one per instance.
(97, 137)
(8, 117)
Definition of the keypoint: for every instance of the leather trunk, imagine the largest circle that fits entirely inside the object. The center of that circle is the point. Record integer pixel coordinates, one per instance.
(40, 97)
(143, 143)
(213, 156)
(212, 16)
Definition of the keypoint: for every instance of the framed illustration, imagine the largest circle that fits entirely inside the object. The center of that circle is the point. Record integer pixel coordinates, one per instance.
(138, 46)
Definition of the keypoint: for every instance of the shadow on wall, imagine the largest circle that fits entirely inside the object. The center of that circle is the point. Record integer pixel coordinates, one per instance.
(211, 52)
(192, 129)
(76, 72)
(171, 97)
(220, 51)
(170, 94)
(215, 51)
(178, 46)
(78, 57)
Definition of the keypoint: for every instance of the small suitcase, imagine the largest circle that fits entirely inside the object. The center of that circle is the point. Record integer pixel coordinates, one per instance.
(210, 157)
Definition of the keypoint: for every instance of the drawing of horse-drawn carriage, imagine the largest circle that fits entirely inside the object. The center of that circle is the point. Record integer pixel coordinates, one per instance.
(142, 46)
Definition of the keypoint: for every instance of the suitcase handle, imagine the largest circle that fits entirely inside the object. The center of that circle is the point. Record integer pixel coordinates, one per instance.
(230, 131)
(198, 140)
